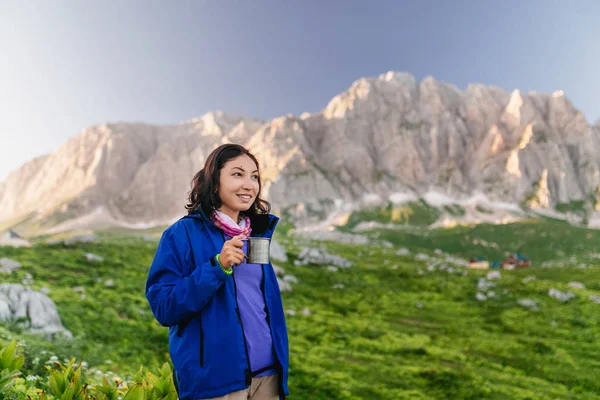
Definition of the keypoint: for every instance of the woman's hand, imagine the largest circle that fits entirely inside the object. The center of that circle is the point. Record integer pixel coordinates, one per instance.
(232, 252)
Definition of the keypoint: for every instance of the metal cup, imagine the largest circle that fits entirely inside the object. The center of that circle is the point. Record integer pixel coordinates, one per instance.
(257, 250)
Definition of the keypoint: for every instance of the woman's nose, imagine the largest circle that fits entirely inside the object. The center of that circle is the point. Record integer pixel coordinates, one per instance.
(249, 184)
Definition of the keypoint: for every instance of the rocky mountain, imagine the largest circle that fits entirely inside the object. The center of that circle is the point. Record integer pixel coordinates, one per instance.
(114, 174)
(384, 136)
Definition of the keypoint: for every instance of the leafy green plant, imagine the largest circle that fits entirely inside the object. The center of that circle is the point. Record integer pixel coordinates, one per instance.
(107, 390)
(7, 379)
(148, 386)
(162, 384)
(66, 382)
(9, 359)
(10, 365)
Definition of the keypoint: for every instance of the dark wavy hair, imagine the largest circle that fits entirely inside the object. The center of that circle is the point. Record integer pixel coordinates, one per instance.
(204, 186)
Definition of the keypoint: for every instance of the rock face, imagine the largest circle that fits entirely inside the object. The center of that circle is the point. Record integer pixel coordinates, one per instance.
(540, 196)
(385, 135)
(34, 310)
(117, 174)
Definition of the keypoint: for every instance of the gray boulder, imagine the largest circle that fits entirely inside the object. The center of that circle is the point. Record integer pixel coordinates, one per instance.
(561, 296)
(320, 257)
(93, 257)
(284, 286)
(595, 299)
(33, 310)
(8, 266)
(278, 270)
(86, 238)
(576, 285)
(277, 252)
(528, 303)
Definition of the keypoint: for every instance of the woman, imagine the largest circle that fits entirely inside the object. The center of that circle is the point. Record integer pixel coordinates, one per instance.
(227, 332)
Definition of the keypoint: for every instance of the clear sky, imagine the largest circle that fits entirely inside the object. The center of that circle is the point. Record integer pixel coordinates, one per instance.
(66, 65)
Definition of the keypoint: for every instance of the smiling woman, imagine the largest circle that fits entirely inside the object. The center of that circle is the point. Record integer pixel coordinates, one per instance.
(227, 332)
(238, 186)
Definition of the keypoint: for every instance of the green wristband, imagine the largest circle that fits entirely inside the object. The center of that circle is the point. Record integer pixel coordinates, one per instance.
(227, 271)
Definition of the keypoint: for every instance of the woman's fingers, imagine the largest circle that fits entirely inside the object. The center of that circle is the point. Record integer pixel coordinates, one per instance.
(237, 242)
(239, 255)
(232, 256)
(235, 250)
(232, 252)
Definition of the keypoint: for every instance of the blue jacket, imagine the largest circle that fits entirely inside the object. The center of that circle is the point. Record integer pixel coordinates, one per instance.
(189, 293)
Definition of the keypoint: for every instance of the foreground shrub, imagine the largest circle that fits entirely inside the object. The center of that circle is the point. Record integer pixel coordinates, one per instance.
(68, 382)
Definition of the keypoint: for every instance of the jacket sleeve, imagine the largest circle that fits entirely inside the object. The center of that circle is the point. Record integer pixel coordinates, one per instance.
(173, 297)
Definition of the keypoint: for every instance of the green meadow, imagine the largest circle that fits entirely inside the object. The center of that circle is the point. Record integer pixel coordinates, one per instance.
(395, 325)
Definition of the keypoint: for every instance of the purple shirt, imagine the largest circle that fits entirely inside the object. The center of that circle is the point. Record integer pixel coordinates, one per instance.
(251, 304)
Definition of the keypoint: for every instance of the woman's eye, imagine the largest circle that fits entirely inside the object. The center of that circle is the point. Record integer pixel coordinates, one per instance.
(237, 174)
(255, 177)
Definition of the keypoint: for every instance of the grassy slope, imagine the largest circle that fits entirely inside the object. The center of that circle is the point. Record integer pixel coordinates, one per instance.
(110, 323)
(417, 213)
(372, 340)
(540, 240)
(396, 330)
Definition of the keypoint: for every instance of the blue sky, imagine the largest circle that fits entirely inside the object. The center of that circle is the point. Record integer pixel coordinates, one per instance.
(67, 65)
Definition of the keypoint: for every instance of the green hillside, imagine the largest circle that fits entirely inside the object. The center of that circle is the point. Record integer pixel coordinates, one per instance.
(540, 240)
(401, 327)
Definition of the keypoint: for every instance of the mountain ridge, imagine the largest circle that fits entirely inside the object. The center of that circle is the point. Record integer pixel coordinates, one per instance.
(385, 135)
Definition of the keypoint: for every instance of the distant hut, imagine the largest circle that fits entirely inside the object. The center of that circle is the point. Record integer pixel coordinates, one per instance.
(516, 260)
(479, 263)
(523, 262)
(495, 265)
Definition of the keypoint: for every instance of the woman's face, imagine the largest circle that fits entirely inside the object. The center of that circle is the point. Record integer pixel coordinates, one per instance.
(238, 185)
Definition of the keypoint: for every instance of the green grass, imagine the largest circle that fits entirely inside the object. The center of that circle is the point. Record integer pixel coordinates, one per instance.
(372, 340)
(540, 240)
(573, 206)
(109, 323)
(417, 213)
(582, 208)
(395, 331)
(455, 210)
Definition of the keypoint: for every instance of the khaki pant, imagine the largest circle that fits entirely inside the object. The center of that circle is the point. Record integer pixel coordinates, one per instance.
(263, 388)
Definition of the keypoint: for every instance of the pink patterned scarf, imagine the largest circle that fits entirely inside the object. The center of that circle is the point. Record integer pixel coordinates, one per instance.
(229, 227)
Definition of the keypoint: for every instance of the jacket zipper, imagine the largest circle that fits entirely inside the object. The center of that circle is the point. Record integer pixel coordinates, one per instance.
(247, 376)
(264, 293)
(180, 329)
(201, 343)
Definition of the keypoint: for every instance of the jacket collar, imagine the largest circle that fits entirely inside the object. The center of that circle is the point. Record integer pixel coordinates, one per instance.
(263, 225)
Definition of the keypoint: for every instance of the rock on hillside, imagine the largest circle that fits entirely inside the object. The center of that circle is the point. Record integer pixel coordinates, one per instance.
(34, 310)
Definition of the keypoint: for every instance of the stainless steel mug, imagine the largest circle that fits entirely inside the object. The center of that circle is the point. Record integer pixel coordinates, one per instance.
(257, 250)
